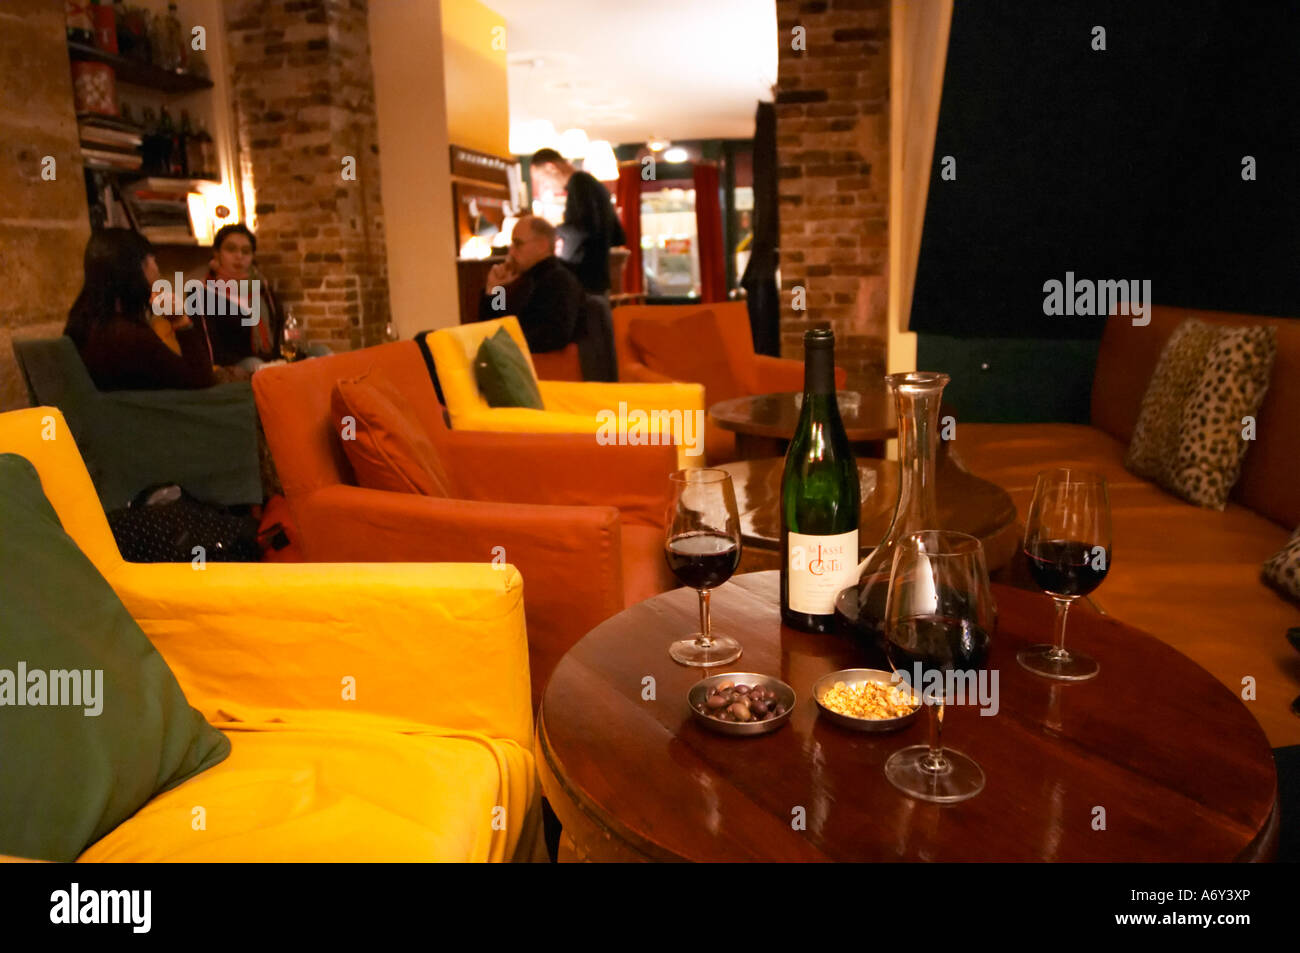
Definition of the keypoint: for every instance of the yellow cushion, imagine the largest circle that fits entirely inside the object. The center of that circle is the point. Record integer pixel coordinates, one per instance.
(453, 351)
(289, 793)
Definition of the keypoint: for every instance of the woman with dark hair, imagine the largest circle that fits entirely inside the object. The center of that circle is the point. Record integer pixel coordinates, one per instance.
(233, 276)
(123, 344)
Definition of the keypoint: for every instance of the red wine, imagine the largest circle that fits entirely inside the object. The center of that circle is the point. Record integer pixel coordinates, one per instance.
(1066, 567)
(939, 643)
(702, 560)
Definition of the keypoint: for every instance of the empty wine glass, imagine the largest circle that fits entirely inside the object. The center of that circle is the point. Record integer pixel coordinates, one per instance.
(939, 618)
(1067, 544)
(703, 550)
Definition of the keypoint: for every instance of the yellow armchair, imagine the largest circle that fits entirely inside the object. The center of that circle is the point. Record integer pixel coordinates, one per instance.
(377, 711)
(635, 413)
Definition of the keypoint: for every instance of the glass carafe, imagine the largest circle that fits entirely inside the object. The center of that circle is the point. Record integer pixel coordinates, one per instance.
(916, 397)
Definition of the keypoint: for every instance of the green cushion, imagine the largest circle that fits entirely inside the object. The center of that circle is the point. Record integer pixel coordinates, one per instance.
(67, 778)
(503, 374)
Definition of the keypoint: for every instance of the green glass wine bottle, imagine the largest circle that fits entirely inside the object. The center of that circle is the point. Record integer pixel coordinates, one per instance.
(819, 499)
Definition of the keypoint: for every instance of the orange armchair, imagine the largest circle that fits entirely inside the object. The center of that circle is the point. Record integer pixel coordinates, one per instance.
(752, 373)
(582, 522)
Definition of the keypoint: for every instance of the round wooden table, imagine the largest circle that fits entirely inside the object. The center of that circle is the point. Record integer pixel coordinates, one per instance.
(1152, 760)
(764, 424)
(966, 504)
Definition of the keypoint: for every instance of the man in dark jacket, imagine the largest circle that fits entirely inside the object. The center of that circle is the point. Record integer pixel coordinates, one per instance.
(590, 226)
(534, 286)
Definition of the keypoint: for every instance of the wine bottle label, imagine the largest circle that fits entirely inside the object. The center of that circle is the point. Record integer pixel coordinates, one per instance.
(821, 567)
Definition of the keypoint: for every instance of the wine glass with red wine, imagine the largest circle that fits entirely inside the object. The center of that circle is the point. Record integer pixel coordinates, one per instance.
(1067, 546)
(939, 620)
(703, 550)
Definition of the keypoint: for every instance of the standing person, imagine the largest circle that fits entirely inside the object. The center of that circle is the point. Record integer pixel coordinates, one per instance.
(233, 342)
(590, 226)
(123, 344)
(536, 288)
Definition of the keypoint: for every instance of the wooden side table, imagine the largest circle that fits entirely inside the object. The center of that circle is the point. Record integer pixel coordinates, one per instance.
(966, 504)
(1172, 763)
(764, 424)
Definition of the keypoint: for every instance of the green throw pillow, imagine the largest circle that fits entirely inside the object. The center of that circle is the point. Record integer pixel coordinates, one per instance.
(93, 742)
(504, 377)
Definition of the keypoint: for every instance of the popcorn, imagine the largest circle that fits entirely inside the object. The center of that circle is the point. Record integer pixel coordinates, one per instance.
(871, 700)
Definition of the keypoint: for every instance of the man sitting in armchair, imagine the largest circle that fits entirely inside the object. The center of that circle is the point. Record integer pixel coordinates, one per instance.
(536, 287)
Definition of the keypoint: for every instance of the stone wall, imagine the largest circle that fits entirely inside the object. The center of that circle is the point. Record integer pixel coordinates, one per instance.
(44, 223)
(832, 135)
(304, 100)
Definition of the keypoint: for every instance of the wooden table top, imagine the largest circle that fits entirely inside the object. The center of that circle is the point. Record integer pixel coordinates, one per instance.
(867, 416)
(1179, 765)
(966, 504)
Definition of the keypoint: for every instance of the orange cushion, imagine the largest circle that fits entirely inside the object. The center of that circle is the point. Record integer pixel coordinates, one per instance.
(386, 446)
(690, 348)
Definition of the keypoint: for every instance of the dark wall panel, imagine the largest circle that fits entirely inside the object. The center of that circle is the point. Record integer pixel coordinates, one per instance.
(1122, 164)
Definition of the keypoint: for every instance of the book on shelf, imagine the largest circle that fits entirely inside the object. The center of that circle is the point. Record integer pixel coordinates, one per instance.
(110, 159)
(96, 135)
(168, 235)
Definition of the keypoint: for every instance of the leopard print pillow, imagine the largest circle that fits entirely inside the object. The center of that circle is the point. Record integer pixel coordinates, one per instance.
(1154, 446)
(1283, 570)
(1212, 436)
(1190, 436)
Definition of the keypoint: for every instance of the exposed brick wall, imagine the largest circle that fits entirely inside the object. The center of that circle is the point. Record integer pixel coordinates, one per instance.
(304, 99)
(832, 137)
(44, 224)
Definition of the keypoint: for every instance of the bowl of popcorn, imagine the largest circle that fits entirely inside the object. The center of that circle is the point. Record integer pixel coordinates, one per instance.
(866, 699)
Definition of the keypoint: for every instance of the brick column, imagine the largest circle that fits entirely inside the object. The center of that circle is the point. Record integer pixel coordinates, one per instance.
(832, 136)
(304, 100)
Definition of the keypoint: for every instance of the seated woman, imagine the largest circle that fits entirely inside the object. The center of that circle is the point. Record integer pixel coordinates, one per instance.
(124, 345)
(233, 277)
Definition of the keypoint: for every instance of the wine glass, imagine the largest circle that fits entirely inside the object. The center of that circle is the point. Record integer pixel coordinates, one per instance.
(703, 550)
(290, 337)
(1067, 545)
(939, 619)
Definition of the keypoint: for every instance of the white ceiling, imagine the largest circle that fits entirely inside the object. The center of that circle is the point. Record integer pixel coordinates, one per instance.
(626, 70)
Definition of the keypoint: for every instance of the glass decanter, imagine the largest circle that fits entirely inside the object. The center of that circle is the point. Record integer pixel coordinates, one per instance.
(917, 395)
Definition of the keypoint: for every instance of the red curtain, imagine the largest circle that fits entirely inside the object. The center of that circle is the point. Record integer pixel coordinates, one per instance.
(629, 204)
(708, 230)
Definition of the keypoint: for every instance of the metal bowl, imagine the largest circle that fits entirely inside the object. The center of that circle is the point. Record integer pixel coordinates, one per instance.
(856, 676)
(700, 690)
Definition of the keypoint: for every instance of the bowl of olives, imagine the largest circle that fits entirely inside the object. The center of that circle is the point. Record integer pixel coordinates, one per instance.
(741, 703)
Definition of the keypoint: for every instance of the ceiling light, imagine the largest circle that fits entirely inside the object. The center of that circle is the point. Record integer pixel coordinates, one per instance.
(527, 137)
(658, 145)
(573, 144)
(676, 154)
(600, 161)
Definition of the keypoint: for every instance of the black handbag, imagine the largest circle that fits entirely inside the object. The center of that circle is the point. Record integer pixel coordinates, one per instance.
(164, 524)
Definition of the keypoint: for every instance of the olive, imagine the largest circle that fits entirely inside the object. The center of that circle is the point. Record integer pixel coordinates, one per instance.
(723, 686)
(740, 712)
(716, 701)
(780, 710)
(743, 689)
(758, 707)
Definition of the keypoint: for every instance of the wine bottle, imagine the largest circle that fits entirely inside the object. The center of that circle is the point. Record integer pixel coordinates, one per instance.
(80, 22)
(819, 499)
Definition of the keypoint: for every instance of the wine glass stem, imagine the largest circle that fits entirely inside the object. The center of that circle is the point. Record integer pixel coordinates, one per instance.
(934, 761)
(1062, 610)
(706, 636)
